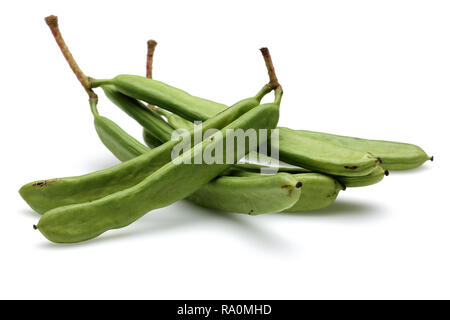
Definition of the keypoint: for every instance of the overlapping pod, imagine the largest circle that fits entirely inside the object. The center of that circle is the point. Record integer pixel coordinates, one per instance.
(253, 193)
(298, 152)
(318, 192)
(374, 177)
(161, 94)
(44, 195)
(172, 182)
(394, 155)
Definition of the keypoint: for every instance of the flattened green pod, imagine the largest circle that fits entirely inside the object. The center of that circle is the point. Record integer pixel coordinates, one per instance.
(145, 116)
(374, 177)
(253, 195)
(323, 156)
(161, 94)
(112, 135)
(394, 155)
(84, 221)
(318, 192)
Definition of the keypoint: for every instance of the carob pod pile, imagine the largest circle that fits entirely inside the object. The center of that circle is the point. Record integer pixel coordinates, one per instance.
(317, 165)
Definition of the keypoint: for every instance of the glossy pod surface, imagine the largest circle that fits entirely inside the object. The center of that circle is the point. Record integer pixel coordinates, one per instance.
(44, 195)
(169, 184)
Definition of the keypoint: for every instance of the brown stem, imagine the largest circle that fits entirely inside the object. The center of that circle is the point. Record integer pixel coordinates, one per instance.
(151, 44)
(52, 22)
(270, 69)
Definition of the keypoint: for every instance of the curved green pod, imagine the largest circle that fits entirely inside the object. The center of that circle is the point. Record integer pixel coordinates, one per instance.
(145, 116)
(112, 135)
(318, 192)
(174, 120)
(373, 177)
(170, 183)
(323, 156)
(161, 94)
(194, 108)
(362, 181)
(252, 195)
(394, 155)
(259, 193)
(43, 195)
(149, 139)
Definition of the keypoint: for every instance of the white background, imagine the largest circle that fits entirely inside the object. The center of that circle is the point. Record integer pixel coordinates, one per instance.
(375, 69)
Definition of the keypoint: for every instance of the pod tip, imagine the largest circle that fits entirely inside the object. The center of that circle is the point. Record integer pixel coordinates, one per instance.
(344, 187)
(379, 160)
(35, 227)
(386, 172)
(52, 21)
(299, 184)
(432, 158)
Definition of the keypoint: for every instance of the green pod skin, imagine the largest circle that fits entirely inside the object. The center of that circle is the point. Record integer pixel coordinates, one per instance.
(160, 94)
(112, 135)
(322, 156)
(318, 191)
(299, 152)
(347, 182)
(174, 120)
(251, 195)
(43, 195)
(260, 193)
(172, 182)
(149, 140)
(145, 116)
(394, 155)
(374, 177)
